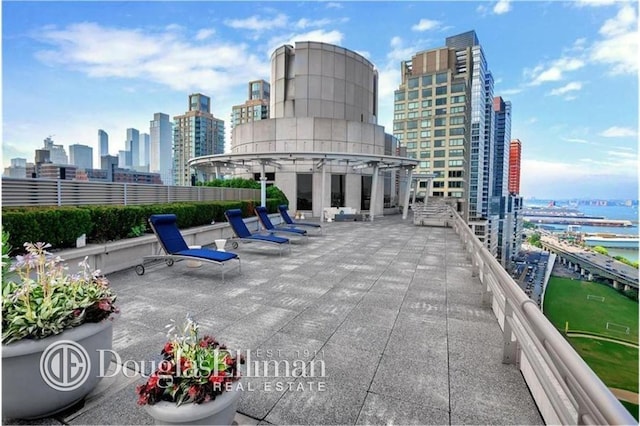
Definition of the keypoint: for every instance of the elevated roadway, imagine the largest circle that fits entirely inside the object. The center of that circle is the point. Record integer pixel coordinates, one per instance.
(591, 264)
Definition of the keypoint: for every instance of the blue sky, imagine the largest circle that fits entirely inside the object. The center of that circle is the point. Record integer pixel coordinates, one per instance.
(570, 70)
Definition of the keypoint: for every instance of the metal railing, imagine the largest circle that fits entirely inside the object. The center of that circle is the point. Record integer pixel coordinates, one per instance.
(565, 388)
(49, 192)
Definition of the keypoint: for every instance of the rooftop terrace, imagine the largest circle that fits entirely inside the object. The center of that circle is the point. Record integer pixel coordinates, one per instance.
(392, 309)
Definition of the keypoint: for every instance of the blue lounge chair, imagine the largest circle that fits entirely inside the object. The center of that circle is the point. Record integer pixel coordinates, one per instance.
(287, 219)
(242, 233)
(263, 216)
(176, 249)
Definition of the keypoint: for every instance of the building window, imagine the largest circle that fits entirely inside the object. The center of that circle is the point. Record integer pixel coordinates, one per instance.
(427, 103)
(455, 163)
(425, 123)
(438, 164)
(413, 124)
(455, 184)
(399, 116)
(442, 90)
(441, 111)
(441, 78)
(413, 105)
(304, 191)
(457, 109)
(438, 184)
(425, 144)
(457, 87)
(399, 107)
(456, 153)
(426, 93)
(425, 134)
(457, 194)
(439, 153)
(412, 135)
(438, 194)
(439, 133)
(456, 142)
(457, 99)
(456, 131)
(411, 145)
(425, 164)
(337, 190)
(456, 120)
(365, 193)
(456, 173)
(412, 95)
(398, 125)
(425, 154)
(427, 80)
(441, 101)
(399, 96)
(426, 113)
(439, 122)
(412, 114)
(413, 82)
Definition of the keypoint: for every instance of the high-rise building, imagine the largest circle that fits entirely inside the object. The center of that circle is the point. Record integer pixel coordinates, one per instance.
(57, 154)
(124, 159)
(502, 137)
(103, 142)
(256, 107)
(443, 115)
(515, 152)
(144, 150)
(195, 133)
(132, 146)
(81, 156)
(160, 150)
(18, 168)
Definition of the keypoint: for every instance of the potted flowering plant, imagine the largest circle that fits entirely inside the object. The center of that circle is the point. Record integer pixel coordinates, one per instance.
(196, 382)
(47, 311)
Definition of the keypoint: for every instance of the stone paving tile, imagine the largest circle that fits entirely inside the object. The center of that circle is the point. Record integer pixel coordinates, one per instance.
(385, 410)
(350, 366)
(367, 337)
(314, 323)
(423, 383)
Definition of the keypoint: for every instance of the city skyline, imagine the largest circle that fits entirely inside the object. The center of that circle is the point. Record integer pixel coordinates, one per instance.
(568, 85)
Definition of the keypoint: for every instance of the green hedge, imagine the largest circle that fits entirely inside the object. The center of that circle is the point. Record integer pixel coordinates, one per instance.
(61, 226)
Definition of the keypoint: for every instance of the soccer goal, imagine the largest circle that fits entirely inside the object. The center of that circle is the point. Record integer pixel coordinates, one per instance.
(618, 328)
(594, 297)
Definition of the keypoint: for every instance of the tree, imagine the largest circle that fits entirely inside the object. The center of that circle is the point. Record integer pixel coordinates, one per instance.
(601, 250)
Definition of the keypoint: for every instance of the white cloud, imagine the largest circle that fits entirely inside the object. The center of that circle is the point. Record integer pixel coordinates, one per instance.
(502, 6)
(576, 140)
(331, 37)
(426, 25)
(554, 71)
(619, 46)
(166, 58)
(596, 3)
(204, 34)
(618, 132)
(334, 5)
(587, 177)
(258, 23)
(570, 87)
(508, 92)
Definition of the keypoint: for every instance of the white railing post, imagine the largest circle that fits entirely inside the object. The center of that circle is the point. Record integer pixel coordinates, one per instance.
(59, 189)
(125, 194)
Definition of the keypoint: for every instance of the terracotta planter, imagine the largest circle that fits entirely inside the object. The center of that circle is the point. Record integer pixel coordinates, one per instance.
(39, 380)
(220, 411)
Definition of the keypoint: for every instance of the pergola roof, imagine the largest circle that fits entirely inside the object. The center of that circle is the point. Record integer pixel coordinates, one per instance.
(247, 160)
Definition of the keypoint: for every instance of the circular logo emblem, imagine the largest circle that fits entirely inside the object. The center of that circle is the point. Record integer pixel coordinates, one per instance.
(65, 365)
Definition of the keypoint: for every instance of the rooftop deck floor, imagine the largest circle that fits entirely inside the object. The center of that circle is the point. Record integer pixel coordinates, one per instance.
(391, 309)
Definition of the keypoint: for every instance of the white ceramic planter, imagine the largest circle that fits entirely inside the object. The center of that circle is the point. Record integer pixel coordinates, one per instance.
(26, 394)
(220, 411)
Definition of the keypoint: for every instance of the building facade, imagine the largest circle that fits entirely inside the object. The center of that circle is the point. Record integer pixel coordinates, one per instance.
(256, 107)
(58, 155)
(17, 169)
(515, 154)
(160, 149)
(132, 147)
(324, 98)
(144, 150)
(103, 142)
(195, 133)
(81, 156)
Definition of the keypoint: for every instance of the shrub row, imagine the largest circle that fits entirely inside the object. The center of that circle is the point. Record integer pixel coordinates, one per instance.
(61, 226)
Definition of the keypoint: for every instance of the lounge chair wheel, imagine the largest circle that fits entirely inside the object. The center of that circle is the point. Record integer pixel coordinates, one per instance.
(234, 245)
(139, 269)
(169, 262)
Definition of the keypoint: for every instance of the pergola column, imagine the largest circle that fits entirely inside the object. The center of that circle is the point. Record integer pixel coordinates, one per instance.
(263, 185)
(322, 191)
(407, 194)
(374, 191)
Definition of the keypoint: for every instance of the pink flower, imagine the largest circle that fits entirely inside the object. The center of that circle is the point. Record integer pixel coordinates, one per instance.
(105, 305)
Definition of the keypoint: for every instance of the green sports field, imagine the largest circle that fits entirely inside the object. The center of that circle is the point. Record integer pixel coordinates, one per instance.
(616, 365)
(566, 300)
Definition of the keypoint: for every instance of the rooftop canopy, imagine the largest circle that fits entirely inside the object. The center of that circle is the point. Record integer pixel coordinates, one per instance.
(215, 163)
